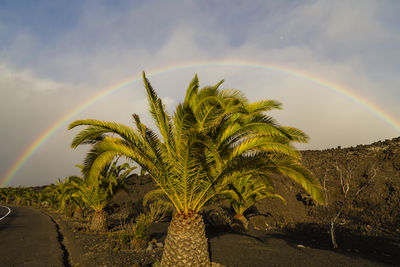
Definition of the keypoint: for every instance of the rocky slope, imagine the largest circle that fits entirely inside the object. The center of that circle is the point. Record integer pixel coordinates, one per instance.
(362, 187)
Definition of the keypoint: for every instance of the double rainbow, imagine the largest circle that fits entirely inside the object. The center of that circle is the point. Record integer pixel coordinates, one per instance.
(29, 151)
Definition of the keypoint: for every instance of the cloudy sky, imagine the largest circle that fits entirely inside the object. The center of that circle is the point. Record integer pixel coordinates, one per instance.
(55, 55)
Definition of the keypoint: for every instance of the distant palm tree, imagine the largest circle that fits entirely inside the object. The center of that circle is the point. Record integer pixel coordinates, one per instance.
(50, 197)
(7, 193)
(214, 137)
(57, 191)
(30, 196)
(19, 194)
(40, 197)
(71, 195)
(97, 192)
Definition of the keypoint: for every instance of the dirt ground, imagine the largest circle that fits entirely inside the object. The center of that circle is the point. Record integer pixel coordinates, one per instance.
(291, 234)
(302, 246)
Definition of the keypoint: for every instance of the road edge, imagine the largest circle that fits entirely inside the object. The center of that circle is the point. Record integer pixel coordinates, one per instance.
(74, 253)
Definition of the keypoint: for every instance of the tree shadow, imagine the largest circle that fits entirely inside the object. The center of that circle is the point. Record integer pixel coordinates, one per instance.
(213, 231)
(384, 250)
(375, 248)
(159, 230)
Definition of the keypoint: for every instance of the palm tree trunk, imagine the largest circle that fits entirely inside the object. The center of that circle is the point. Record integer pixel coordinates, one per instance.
(240, 223)
(186, 242)
(78, 213)
(99, 221)
(68, 209)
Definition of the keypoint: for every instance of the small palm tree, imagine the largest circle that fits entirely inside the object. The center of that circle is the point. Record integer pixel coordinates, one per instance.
(19, 194)
(40, 197)
(214, 137)
(30, 196)
(73, 197)
(246, 191)
(97, 192)
(7, 193)
(50, 197)
(57, 191)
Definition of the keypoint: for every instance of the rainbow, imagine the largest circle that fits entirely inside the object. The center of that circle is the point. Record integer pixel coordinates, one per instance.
(29, 151)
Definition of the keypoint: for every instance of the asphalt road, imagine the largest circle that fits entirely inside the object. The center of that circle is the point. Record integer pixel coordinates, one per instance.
(29, 238)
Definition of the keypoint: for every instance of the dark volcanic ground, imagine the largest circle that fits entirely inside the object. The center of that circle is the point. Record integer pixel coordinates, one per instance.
(362, 185)
(253, 248)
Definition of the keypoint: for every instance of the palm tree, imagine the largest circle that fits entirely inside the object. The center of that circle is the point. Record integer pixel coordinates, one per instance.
(49, 196)
(246, 191)
(72, 196)
(57, 191)
(7, 193)
(30, 196)
(40, 197)
(214, 137)
(97, 192)
(19, 194)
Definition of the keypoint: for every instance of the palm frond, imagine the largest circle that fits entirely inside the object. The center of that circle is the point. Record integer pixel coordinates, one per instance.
(192, 90)
(97, 128)
(153, 195)
(305, 178)
(263, 106)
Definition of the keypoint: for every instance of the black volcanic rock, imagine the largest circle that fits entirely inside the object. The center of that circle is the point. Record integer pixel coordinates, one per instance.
(371, 205)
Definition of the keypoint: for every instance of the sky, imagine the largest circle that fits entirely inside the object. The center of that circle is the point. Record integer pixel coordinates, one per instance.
(334, 65)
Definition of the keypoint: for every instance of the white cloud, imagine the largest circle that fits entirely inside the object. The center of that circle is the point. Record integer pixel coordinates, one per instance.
(23, 82)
